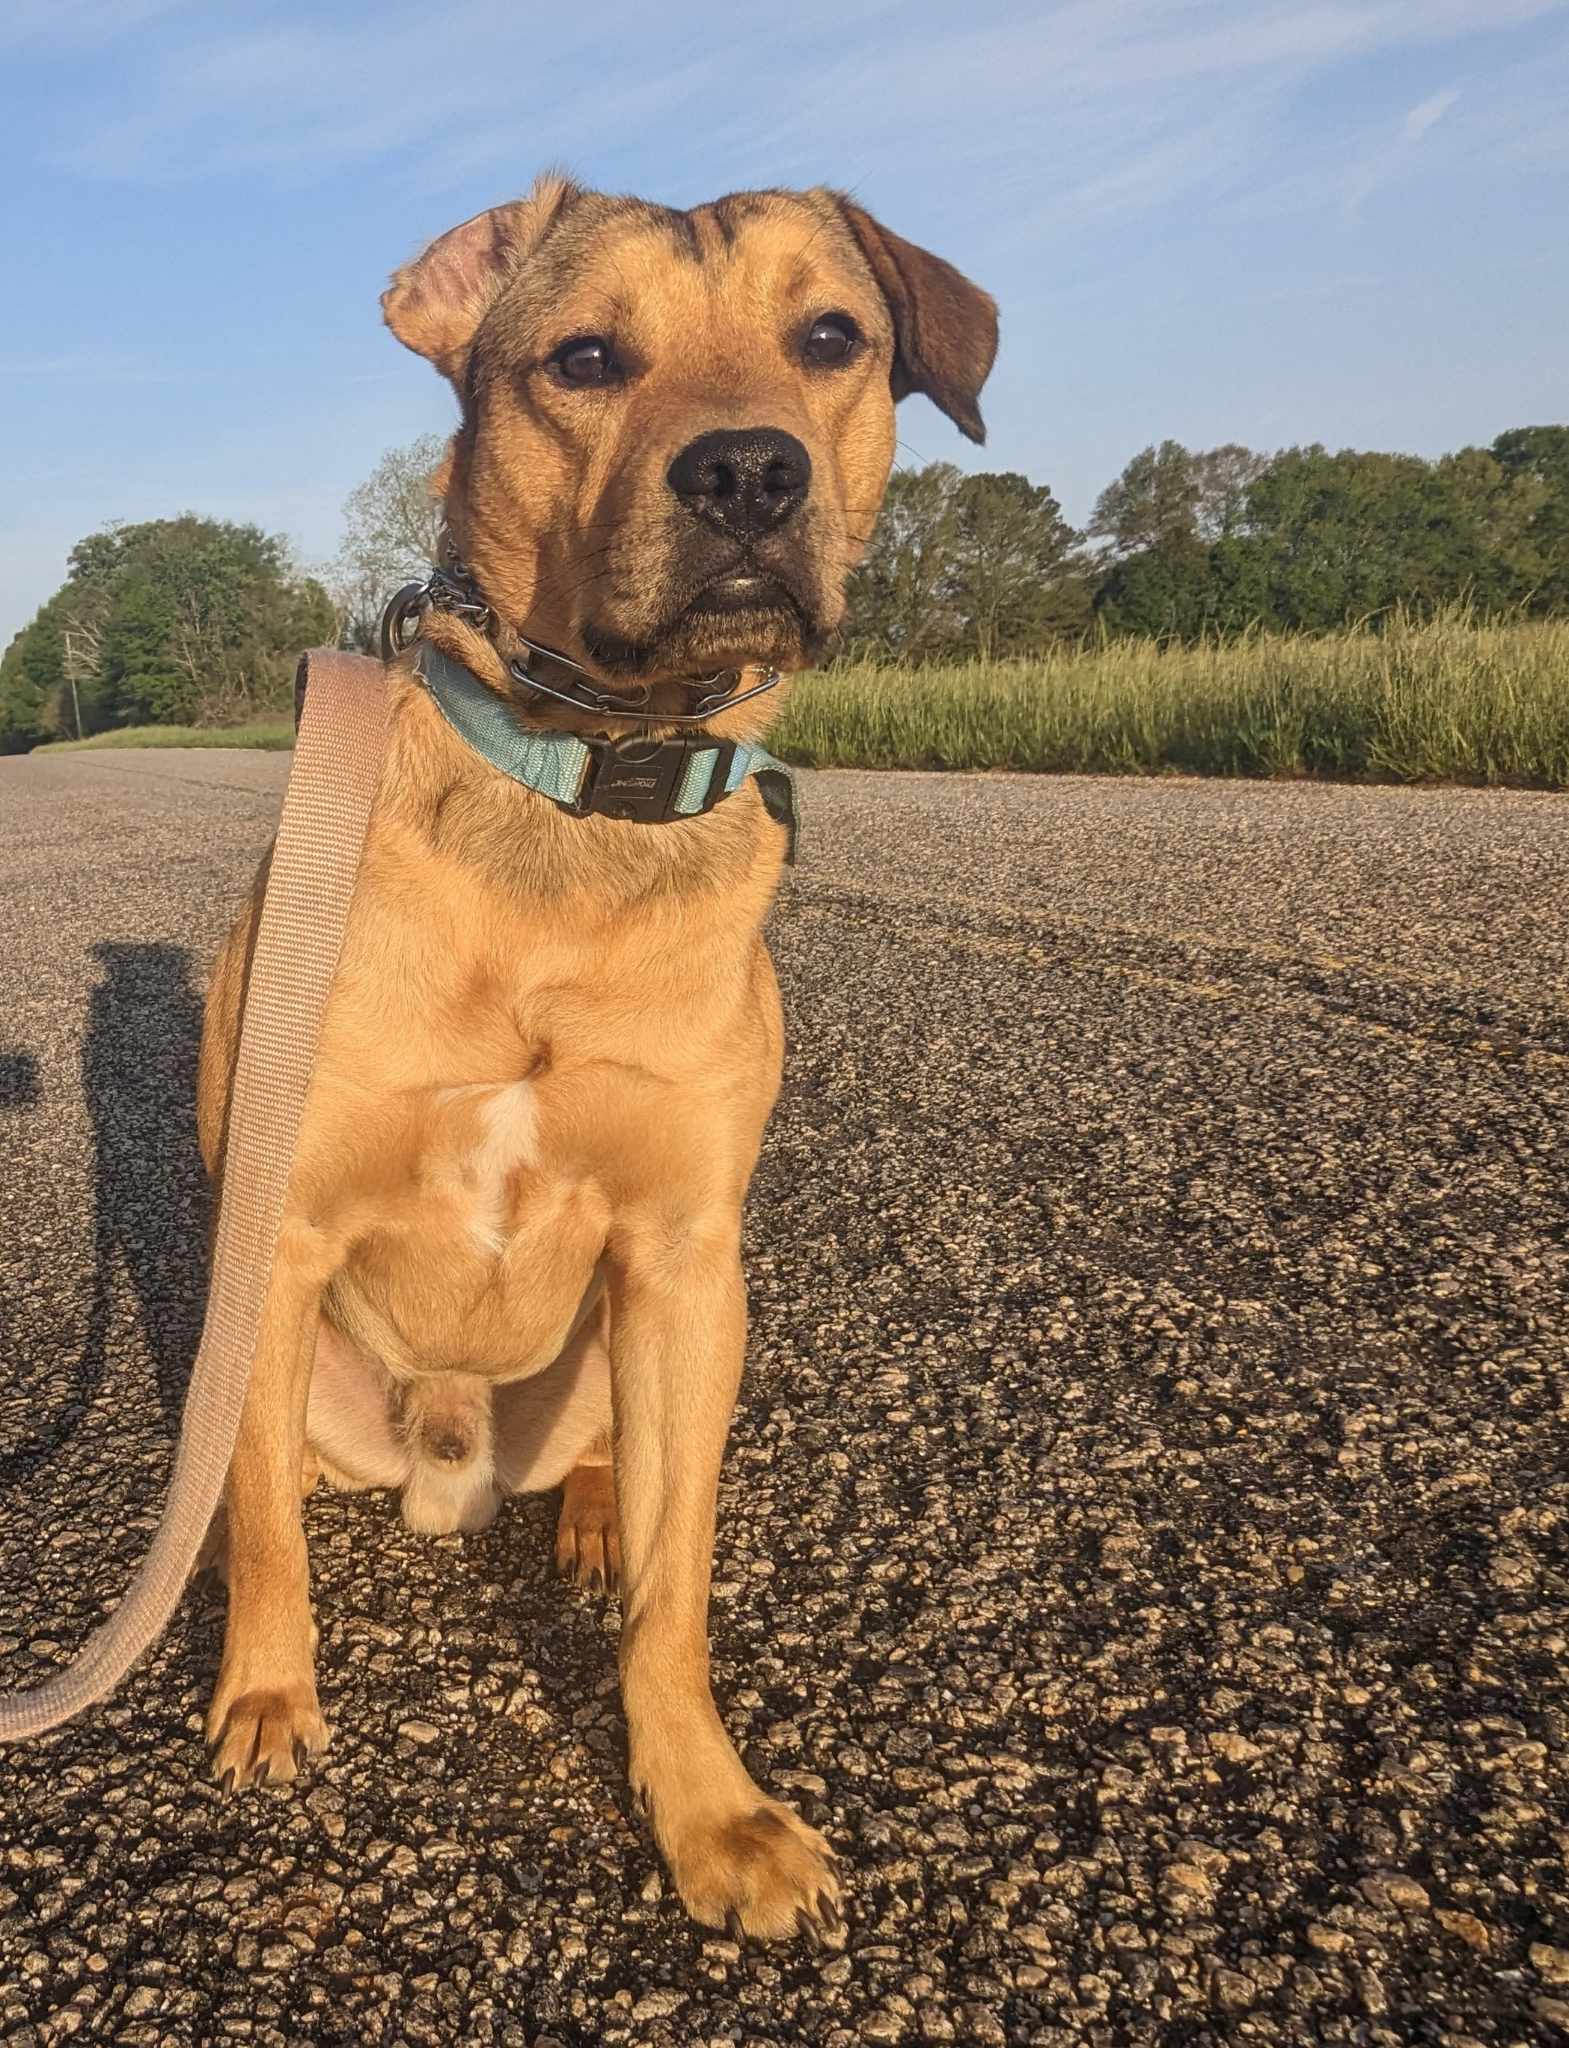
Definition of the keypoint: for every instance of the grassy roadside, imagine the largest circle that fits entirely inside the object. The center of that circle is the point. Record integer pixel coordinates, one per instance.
(276, 735)
(1446, 701)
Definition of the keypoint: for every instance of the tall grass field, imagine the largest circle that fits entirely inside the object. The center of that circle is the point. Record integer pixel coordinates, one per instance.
(1447, 700)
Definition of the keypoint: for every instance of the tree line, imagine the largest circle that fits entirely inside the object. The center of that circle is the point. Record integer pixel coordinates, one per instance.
(192, 620)
(1187, 544)
(182, 621)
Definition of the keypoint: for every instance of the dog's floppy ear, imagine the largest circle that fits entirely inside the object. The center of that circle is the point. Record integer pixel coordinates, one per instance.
(434, 305)
(945, 328)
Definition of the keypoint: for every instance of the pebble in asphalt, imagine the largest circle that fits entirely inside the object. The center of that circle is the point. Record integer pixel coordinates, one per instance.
(1142, 1543)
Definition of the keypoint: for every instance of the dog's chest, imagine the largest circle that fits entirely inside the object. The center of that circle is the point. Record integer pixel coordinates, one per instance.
(475, 1250)
(482, 1140)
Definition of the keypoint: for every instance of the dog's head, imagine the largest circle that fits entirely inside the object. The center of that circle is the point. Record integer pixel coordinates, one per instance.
(677, 427)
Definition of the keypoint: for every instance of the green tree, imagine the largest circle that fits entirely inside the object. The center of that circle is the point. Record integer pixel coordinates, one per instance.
(35, 668)
(1239, 596)
(1346, 536)
(1543, 451)
(1155, 500)
(1540, 456)
(1018, 579)
(1223, 478)
(959, 565)
(901, 592)
(1165, 591)
(392, 535)
(23, 704)
(168, 620)
(1175, 524)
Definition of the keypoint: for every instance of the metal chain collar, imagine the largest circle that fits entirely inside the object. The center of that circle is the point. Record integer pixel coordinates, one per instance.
(454, 590)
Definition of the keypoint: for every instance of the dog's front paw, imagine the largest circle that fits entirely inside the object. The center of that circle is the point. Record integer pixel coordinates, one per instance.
(262, 1735)
(759, 1871)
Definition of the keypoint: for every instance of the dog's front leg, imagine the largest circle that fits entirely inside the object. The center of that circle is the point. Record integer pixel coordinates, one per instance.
(677, 1336)
(264, 1717)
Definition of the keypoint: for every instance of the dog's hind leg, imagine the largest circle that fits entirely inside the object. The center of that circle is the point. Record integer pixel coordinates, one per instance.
(546, 1424)
(588, 1536)
(554, 1430)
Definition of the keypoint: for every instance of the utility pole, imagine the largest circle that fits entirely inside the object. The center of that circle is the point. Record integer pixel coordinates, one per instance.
(82, 652)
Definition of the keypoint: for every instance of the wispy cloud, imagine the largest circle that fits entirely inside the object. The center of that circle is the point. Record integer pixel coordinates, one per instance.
(1082, 85)
(86, 366)
(64, 21)
(1145, 176)
(1431, 111)
(1391, 159)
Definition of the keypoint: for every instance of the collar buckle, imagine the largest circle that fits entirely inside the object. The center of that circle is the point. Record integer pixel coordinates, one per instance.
(643, 782)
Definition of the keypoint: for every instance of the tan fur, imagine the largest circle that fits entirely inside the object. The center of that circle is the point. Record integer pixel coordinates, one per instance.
(511, 1258)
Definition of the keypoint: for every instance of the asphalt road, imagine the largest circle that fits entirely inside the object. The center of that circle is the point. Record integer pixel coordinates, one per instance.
(1143, 1539)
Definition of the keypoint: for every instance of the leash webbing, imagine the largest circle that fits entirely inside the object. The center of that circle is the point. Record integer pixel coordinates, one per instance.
(321, 836)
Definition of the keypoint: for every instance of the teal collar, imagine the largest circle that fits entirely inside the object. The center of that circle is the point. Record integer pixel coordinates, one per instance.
(638, 780)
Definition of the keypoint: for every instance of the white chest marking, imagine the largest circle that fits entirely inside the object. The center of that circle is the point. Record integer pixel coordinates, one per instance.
(494, 1133)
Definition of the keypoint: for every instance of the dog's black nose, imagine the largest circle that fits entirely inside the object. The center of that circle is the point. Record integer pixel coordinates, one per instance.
(746, 481)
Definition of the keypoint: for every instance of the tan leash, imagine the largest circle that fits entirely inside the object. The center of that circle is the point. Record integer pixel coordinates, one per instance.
(321, 836)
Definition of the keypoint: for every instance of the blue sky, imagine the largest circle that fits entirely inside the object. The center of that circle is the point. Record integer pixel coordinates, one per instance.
(1257, 220)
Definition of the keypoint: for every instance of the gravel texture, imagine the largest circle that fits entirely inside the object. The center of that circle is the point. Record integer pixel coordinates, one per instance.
(1143, 1539)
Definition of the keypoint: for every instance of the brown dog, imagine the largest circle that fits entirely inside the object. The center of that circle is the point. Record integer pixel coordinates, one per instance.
(511, 1254)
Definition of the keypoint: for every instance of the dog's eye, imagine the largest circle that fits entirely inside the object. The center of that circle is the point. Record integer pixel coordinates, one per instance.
(831, 340)
(586, 359)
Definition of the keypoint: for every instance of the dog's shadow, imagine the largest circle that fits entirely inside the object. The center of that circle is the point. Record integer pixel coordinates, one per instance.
(150, 1197)
(18, 1081)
